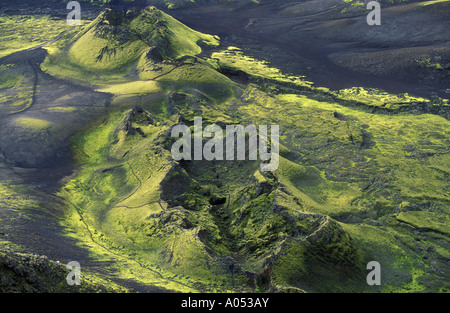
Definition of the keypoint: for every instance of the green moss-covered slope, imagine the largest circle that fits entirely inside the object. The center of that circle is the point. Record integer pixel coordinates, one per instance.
(363, 174)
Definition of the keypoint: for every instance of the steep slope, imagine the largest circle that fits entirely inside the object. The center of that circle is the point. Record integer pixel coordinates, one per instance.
(213, 221)
(116, 39)
(329, 209)
(363, 174)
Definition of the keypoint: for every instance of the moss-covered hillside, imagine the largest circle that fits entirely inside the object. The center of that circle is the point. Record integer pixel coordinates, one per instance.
(32, 273)
(363, 174)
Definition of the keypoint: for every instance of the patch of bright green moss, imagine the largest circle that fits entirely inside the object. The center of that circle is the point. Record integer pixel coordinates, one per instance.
(426, 220)
(233, 58)
(20, 32)
(136, 87)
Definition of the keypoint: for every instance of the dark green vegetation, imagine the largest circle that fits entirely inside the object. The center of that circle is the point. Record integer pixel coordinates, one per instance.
(170, 4)
(27, 31)
(363, 176)
(30, 273)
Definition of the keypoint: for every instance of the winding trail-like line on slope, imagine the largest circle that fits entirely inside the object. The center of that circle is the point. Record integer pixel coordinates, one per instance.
(133, 193)
(54, 39)
(170, 71)
(136, 189)
(63, 200)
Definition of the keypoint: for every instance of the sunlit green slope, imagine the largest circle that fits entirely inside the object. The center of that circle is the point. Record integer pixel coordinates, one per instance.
(363, 174)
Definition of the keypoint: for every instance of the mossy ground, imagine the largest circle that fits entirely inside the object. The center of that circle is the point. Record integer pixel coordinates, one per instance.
(343, 181)
(27, 31)
(354, 184)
